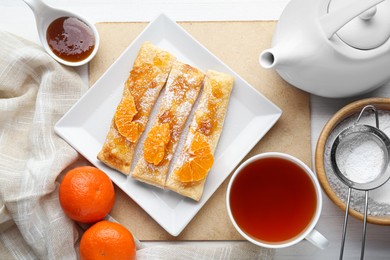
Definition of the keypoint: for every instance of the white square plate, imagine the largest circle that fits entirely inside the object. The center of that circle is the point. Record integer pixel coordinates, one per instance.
(250, 115)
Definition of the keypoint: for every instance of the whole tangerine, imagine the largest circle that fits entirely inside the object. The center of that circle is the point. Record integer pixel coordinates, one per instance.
(107, 240)
(86, 194)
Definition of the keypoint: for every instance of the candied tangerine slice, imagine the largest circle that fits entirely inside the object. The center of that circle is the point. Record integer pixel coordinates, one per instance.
(154, 152)
(156, 142)
(135, 130)
(200, 161)
(124, 115)
(184, 173)
(199, 145)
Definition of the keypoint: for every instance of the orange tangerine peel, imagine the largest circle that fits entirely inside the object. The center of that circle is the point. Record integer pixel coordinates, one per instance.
(199, 163)
(156, 142)
(123, 117)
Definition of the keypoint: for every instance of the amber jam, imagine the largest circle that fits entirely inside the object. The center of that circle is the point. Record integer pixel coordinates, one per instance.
(273, 200)
(70, 39)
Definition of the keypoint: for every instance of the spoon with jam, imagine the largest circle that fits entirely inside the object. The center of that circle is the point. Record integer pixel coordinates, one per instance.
(67, 37)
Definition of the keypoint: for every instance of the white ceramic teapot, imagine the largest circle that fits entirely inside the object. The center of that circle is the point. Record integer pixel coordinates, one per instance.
(332, 48)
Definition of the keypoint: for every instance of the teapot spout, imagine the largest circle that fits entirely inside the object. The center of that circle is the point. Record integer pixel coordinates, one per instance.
(268, 59)
(280, 56)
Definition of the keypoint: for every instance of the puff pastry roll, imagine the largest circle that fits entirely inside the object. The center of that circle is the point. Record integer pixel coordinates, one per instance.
(197, 157)
(181, 92)
(141, 90)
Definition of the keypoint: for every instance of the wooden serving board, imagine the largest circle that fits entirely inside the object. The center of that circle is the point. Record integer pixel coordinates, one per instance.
(238, 44)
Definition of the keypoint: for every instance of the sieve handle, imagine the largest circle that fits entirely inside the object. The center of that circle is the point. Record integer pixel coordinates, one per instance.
(373, 109)
(345, 224)
(364, 226)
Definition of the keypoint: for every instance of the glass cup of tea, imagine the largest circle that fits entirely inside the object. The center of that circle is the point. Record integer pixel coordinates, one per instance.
(274, 200)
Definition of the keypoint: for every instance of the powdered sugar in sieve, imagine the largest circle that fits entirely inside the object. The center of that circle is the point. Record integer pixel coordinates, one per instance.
(362, 161)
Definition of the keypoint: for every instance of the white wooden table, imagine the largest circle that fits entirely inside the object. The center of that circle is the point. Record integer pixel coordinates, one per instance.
(17, 18)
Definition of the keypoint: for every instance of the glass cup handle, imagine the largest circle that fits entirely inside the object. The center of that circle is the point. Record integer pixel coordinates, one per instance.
(317, 239)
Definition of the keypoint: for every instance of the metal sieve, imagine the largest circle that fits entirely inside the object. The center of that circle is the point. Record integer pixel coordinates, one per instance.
(360, 159)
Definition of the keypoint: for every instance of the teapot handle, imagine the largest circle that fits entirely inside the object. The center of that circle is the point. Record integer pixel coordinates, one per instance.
(334, 21)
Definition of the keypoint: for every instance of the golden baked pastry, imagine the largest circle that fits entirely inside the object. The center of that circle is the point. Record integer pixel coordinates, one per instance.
(192, 167)
(141, 90)
(181, 91)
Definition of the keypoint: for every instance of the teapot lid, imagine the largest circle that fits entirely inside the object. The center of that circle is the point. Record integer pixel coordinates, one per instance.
(368, 31)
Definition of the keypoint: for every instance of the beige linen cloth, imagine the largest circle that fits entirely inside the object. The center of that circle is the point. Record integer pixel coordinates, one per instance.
(35, 91)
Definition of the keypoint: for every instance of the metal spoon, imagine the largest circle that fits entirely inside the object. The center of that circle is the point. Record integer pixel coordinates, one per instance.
(45, 15)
